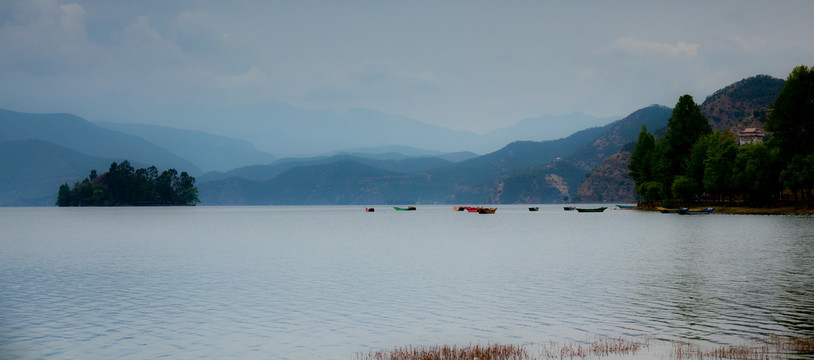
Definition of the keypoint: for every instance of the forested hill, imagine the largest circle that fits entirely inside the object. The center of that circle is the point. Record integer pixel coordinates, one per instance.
(743, 104)
(738, 106)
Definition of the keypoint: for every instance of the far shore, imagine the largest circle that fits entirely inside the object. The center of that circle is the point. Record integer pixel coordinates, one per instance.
(741, 210)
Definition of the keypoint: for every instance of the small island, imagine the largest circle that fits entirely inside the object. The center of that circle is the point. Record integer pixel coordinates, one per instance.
(122, 185)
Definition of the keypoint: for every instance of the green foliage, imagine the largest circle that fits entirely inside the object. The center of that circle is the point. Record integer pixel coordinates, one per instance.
(791, 120)
(650, 192)
(684, 128)
(684, 189)
(641, 161)
(718, 170)
(756, 170)
(122, 185)
(799, 176)
(690, 160)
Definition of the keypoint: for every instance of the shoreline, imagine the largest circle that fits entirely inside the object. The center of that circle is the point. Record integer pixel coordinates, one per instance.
(740, 210)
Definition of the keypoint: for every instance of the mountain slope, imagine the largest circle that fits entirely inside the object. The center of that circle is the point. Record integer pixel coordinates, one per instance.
(339, 182)
(546, 128)
(75, 133)
(743, 104)
(34, 169)
(740, 105)
(619, 133)
(609, 182)
(207, 151)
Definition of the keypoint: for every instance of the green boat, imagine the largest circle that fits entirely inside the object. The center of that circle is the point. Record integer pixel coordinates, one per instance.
(409, 208)
(599, 209)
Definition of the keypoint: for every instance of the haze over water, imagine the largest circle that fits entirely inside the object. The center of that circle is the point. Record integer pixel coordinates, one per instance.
(329, 282)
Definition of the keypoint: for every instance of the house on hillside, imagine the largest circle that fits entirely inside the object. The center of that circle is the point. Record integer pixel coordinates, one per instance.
(751, 136)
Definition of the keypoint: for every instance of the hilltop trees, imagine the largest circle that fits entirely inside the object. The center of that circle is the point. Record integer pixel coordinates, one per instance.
(122, 185)
(691, 162)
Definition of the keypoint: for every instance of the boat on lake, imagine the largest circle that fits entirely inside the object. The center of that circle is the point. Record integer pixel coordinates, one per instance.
(569, 208)
(599, 209)
(667, 210)
(535, 208)
(409, 208)
(458, 208)
(473, 209)
(370, 209)
(626, 206)
(486, 210)
(688, 211)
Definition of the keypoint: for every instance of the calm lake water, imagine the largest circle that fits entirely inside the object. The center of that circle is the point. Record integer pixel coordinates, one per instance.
(330, 282)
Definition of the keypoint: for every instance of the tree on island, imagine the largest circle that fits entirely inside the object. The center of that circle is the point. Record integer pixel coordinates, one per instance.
(122, 185)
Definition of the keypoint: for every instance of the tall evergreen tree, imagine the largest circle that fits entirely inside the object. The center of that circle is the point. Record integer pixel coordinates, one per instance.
(641, 160)
(791, 120)
(684, 127)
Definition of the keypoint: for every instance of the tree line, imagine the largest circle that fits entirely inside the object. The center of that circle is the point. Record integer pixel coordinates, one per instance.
(692, 164)
(122, 185)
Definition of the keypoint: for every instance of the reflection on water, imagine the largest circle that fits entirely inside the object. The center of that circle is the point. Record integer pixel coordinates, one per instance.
(328, 282)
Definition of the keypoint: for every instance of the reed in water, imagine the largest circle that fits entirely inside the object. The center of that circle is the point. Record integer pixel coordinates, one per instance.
(773, 347)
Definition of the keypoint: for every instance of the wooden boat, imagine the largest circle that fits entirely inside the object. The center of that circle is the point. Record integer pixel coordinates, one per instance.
(409, 208)
(534, 208)
(569, 208)
(688, 211)
(458, 208)
(626, 206)
(473, 209)
(486, 210)
(667, 210)
(599, 209)
(370, 209)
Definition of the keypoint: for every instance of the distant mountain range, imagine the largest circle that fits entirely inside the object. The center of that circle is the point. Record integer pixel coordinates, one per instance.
(206, 151)
(284, 130)
(523, 171)
(408, 163)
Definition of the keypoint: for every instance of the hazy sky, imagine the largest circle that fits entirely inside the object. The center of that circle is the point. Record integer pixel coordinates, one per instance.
(468, 65)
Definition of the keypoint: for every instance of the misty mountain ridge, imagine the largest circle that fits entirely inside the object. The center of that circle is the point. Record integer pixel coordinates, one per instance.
(207, 151)
(542, 172)
(75, 133)
(519, 171)
(284, 130)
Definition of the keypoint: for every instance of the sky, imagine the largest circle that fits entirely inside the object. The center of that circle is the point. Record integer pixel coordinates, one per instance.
(466, 65)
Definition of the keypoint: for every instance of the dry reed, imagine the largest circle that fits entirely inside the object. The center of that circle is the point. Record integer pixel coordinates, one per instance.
(773, 347)
(447, 352)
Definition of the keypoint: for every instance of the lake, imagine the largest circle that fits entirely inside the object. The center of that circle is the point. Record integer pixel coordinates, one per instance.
(330, 282)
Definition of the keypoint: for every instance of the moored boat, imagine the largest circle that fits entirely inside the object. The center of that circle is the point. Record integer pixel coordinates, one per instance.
(473, 209)
(599, 209)
(370, 209)
(535, 208)
(409, 208)
(667, 210)
(626, 206)
(458, 208)
(569, 208)
(688, 211)
(486, 210)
